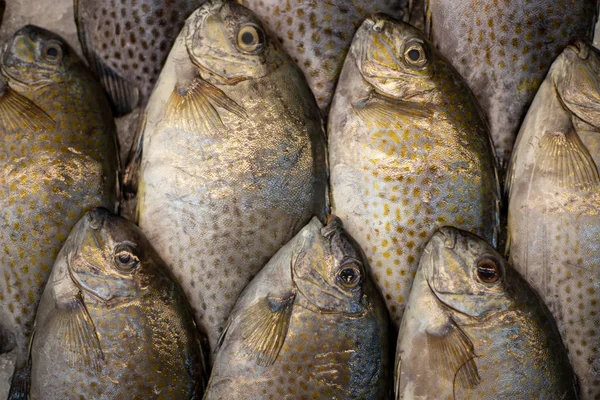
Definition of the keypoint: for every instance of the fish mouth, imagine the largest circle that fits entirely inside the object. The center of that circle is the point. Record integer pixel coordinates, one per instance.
(580, 48)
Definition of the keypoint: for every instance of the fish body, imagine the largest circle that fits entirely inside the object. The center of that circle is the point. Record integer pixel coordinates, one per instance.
(554, 205)
(126, 43)
(59, 160)
(317, 34)
(409, 152)
(311, 324)
(474, 329)
(112, 322)
(504, 49)
(233, 161)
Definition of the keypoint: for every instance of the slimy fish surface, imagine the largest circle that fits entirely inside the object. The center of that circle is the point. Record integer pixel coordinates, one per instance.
(409, 152)
(310, 325)
(58, 160)
(554, 205)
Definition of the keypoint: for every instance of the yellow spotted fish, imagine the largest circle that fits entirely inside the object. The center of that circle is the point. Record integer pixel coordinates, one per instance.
(317, 34)
(554, 204)
(310, 325)
(233, 161)
(58, 159)
(409, 152)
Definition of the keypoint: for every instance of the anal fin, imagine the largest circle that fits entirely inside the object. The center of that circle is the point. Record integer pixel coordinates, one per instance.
(264, 328)
(452, 356)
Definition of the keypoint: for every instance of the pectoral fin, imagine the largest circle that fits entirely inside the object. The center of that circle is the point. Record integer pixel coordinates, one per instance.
(73, 324)
(452, 356)
(376, 108)
(264, 328)
(18, 113)
(193, 108)
(566, 160)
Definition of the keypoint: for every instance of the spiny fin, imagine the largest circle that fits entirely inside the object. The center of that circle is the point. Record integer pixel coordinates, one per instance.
(123, 95)
(134, 161)
(74, 325)
(428, 29)
(264, 328)
(193, 108)
(566, 160)
(452, 355)
(17, 112)
(378, 108)
(21, 383)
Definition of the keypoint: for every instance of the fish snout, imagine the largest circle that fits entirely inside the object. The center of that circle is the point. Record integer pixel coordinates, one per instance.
(580, 48)
(96, 217)
(448, 236)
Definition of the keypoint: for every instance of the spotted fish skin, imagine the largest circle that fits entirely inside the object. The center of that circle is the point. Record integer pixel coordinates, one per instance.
(331, 328)
(409, 152)
(474, 329)
(317, 34)
(554, 205)
(504, 49)
(112, 322)
(233, 162)
(126, 43)
(58, 158)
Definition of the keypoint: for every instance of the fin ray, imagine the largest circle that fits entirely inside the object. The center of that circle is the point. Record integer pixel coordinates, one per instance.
(376, 108)
(17, 112)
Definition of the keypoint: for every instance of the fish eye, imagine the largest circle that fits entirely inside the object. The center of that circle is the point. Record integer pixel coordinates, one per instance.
(349, 275)
(488, 270)
(125, 257)
(52, 52)
(250, 38)
(414, 54)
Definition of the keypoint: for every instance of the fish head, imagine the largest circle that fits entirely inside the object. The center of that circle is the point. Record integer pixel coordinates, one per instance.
(330, 271)
(35, 56)
(576, 77)
(395, 58)
(465, 273)
(229, 43)
(109, 257)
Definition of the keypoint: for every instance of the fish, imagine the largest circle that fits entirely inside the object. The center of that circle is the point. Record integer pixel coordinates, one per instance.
(59, 159)
(233, 160)
(126, 43)
(475, 329)
(409, 151)
(317, 34)
(504, 49)
(112, 322)
(311, 324)
(553, 189)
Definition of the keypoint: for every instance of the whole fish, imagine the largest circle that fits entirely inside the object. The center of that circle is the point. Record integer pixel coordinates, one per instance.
(310, 325)
(233, 161)
(409, 152)
(504, 49)
(474, 329)
(126, 43)
(112, 322)
(317, 34)
(554, 204)
(59, 159)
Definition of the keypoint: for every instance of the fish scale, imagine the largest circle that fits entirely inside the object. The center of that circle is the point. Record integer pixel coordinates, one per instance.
(59, 160)
(317, 34)
(504, 49)
(554, 203)
(409, 152)
(126, 43)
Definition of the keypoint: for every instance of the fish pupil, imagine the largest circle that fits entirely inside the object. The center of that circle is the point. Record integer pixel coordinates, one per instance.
(348, 275)
(414, 54)
(247, 38)
(124, 258)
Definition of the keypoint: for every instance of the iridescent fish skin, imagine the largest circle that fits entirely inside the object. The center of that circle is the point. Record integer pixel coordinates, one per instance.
(474, 329)
(112, 322)
(233, 162)
(59, 160)
(317, 34)
(554, 205)
(310, 325)
(504, 49)
(409, 152)
(126, 43)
